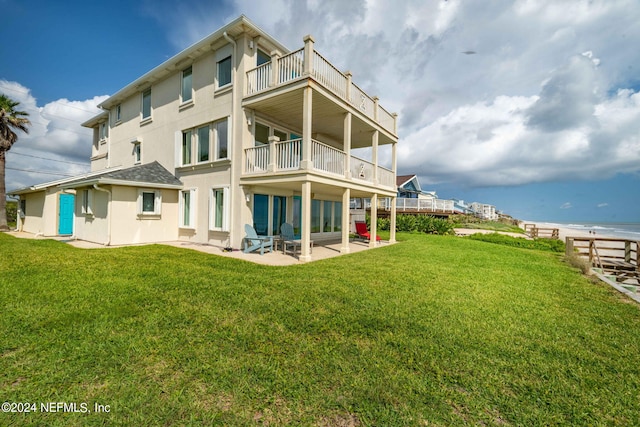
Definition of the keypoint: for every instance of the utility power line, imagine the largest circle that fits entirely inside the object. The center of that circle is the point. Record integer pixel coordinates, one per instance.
(45, 158)
(35, 171)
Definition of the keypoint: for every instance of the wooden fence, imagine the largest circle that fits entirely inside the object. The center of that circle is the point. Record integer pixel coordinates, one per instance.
(619, 257)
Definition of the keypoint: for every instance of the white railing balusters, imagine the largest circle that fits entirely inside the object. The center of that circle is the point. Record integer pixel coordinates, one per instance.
(257, 159)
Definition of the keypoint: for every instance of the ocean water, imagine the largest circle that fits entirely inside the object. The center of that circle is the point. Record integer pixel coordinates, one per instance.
(625, 230)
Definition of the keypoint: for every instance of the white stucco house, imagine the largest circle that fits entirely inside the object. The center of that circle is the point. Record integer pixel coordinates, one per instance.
(234, 130)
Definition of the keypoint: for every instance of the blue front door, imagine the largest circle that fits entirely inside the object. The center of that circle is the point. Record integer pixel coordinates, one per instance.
(65, 223)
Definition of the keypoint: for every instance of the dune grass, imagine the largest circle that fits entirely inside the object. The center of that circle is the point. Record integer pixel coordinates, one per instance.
(435, 330)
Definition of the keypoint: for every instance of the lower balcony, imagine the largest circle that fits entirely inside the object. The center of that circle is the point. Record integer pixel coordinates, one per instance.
(286, 157)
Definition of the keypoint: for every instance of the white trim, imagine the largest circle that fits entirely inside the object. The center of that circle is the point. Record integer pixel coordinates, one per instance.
(192, 208)
(157, 203)
(225, 208)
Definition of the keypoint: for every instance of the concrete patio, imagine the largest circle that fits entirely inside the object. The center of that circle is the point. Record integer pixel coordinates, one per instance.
(321, 249)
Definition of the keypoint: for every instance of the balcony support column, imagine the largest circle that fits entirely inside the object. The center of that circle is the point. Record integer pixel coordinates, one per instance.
(275, 68)
(347, 145)
(272, 154)
(394, 158)
(308, 54)
(346, 221)
(374, 155)
(307, 119)
(373, 229)
(392, 220)
(305, 250)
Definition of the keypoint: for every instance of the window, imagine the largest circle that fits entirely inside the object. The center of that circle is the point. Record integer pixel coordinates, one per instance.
(149, 202)
(187, 208)
(263, 58)
(203, 144)
(187, 85)
(326, 217)
(315, 216)
(222, 139)
(224, 72)
(219, 209)
(23, 208)
(118, 113)
(186, 147)
(279, 213)
(337, 216)
(137, 152)
(261, 135)
(146, 104)
(104, 131)
(87, 202)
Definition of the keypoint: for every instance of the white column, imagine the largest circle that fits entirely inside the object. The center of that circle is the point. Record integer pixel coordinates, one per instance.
(374, 155)
(275, 71)
(392, 222)
(305, 222)
(308, 54)
(346, 221)
(307, 119)
(347, 145)
(373, 230)
(272, 153)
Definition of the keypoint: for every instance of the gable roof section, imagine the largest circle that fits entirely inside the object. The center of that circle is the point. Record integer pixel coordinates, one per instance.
(151, 175)
(402, 179)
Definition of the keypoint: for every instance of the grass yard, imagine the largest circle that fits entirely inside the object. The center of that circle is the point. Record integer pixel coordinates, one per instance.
(435, 330)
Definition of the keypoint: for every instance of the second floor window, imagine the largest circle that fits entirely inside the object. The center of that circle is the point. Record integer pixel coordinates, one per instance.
(186, 148)
(224, 72)
(146, 104)
(104, 131)
(137, 152)
(222, 139)
(187, 85)
(118, 112)
(203, 144)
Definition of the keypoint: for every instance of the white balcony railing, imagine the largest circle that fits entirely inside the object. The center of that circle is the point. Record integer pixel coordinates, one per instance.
(418, 205)
(288, 154)
(292, 66)
(324, 158)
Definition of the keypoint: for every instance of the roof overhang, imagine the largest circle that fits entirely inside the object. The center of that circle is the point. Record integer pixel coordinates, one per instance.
(213, 41)
(120, 182)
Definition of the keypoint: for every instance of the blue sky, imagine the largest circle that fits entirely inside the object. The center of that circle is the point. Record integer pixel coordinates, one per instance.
(532, 106)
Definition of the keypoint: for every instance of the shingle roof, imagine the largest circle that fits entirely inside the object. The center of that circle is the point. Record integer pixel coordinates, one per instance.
(149, 174)
(401, 179)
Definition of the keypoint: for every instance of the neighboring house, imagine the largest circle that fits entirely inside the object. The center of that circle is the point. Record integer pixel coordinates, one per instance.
(233, 130)
(484, 211)
(411, 198)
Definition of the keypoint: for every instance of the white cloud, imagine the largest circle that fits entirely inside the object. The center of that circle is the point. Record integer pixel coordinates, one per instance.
(602, 205)
(55, 133)
(566, 205)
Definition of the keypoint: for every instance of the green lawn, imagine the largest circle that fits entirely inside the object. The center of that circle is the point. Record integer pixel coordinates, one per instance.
(436, 330)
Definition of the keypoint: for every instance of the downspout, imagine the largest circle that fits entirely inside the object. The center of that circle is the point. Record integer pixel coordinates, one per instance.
(234, 79)
(104, 190)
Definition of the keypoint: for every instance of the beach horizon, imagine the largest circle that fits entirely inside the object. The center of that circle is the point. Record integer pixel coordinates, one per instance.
(589, 229)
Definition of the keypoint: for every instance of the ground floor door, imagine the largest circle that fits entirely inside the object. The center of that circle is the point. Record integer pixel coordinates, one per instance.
(65, 220)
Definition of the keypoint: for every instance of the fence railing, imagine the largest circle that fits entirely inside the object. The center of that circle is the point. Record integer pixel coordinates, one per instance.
(257, 159)
(325, 158)
(418, 205)
(292, 66)
(620, 257)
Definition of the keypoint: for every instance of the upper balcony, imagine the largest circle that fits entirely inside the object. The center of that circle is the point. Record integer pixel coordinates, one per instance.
(305, 63)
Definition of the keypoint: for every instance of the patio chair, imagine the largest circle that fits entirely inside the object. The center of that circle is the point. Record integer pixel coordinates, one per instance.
(289, 239)
(253, 242)
(363, 233)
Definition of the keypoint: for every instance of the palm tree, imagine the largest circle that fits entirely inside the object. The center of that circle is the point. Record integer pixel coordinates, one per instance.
(10, 120)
